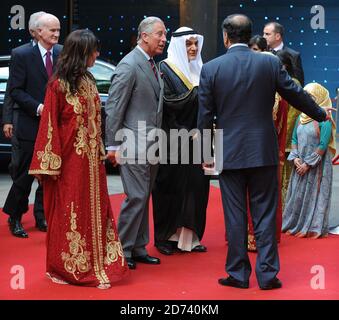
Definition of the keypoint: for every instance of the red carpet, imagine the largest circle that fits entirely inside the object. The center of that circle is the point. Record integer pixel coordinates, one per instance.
(182, 276)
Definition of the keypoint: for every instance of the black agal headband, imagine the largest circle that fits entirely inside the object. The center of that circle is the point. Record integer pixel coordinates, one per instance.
(183, 33)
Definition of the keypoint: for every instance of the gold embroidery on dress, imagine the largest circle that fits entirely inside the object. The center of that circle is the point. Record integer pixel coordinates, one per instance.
(251, 244)
(87, 107)
(81, 144)
(113, 246)
(73, 100)
(86, 100)
(49, 160)
(78, 260)
(97, 238)
(277, 99)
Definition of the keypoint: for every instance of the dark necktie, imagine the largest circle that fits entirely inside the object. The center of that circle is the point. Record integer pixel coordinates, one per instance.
(154, 68)
(49, 65)
(274, 51)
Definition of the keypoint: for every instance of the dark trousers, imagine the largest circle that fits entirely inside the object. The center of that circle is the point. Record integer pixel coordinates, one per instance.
(262, 186)
(17, 200)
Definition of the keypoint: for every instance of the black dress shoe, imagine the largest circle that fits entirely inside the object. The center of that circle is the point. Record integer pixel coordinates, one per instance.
(199, 248)
(131, 263)
(16, 228)
(41, 224)
(273, 284)
(147, 259)
(232, 282)
(164, 249)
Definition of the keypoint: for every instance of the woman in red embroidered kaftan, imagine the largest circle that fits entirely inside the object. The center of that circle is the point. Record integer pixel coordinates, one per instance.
(83, 247)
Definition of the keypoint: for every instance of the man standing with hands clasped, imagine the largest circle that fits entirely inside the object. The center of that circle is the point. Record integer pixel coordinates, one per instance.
(9, 107)
(135, 105)
(31, 67)
(238, 89)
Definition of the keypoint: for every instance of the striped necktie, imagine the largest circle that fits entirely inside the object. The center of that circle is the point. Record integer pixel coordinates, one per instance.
(154, 68)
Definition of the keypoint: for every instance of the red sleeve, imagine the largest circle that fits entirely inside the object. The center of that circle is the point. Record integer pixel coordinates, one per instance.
(47, 151)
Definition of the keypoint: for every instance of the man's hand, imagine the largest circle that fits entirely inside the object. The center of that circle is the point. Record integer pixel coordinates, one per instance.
(112, 157)
(328, 112)
(8, 130)
(38, 177)
(207, 166)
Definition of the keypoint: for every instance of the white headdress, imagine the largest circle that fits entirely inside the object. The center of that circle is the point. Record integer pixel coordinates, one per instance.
(177, 54)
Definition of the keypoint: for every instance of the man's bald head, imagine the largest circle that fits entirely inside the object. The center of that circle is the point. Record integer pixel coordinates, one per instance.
(238, 28)
(48, 27)
(46, 19)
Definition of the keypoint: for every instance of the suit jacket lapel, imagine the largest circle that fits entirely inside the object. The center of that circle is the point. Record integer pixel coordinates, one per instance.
(37, 59)
(147, 69)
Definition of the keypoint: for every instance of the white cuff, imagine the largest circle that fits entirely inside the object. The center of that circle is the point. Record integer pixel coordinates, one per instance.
(38, 109)
(112, 148)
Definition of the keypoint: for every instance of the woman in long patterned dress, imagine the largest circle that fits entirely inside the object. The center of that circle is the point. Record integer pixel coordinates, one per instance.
(309, 192)
(83, 247)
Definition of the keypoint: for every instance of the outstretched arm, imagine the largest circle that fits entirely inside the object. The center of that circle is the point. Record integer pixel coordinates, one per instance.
(296, 96)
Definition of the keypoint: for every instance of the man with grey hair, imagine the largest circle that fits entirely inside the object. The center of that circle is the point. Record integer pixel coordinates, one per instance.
(9, 105)
(10, 115)
(33, 25)
(135, 97)
(31, 67)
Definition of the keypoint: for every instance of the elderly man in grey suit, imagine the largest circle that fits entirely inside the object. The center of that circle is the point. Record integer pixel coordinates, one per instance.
(134, 106)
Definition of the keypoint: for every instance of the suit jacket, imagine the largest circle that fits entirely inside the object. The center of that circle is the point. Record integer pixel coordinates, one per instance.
(239, 89)
(27, 88)
(297, 65)
(9, 104)
(135, 95)
(7, 109)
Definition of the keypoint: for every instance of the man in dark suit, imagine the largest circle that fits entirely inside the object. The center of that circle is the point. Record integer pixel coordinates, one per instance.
(9, 107)
(31, 67)
(238, 89)
(9, 121)
(135, 105)
(274, 35)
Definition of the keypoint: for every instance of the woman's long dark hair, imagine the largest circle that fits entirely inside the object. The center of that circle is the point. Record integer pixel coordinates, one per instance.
(72, 61)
